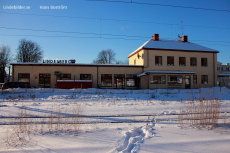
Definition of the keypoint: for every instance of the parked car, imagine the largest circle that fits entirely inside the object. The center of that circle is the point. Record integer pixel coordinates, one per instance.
(1, 85)
(8, 85)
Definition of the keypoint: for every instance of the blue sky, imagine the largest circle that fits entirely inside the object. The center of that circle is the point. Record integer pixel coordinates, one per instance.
(87, 27)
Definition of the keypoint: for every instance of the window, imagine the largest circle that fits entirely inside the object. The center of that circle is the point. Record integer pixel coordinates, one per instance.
(204, 62)
(131, 80)
(227, 69)
(24, 77)
(66, 77)
(106, 80)
(157, 79)
(85, 76)
(218, 68)
(182, 61)
(119, 80)
(44, 80)
(158, 60)
(194, 79)
(193, 61)
(170, 60)
(204, 79)
(135, 62)
(175, 79)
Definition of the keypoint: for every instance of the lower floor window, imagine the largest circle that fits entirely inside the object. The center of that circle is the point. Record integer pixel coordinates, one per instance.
(175, 79)
(194, 79)
(204, 79)
(106, 80)
(44, 80)
(85, 77)
(119, 80)
(24, 77)
(131, 80)
(157, 79)
(66, 77)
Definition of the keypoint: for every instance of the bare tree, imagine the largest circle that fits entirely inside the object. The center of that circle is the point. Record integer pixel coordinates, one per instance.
(5, 57)
(105, 57)
(28, 51)
(122, 62)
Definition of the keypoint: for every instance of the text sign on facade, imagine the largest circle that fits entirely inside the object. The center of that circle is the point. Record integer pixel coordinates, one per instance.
(58, 61)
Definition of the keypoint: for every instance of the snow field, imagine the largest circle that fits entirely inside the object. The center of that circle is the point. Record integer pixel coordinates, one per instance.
(159, 110)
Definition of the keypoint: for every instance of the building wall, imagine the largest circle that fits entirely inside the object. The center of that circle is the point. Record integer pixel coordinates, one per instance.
(138, 58)
(75, 71)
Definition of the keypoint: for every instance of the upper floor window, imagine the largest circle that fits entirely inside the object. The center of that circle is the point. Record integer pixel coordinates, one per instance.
(193, 61)
(204, 62)
(227, 69)
(158, 60)
(170, 60)
(182, 61)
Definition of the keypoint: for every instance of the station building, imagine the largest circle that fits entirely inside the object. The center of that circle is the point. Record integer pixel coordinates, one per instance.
(155, 64)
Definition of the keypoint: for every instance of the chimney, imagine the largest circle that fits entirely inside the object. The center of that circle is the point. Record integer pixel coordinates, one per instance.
(155, 37)
(184, 38)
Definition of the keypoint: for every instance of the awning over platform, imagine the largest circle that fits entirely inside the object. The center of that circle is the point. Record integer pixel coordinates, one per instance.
(224, 75)
(164, 72)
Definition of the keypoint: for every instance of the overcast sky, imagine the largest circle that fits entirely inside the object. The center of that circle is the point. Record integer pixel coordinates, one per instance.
(79, 29)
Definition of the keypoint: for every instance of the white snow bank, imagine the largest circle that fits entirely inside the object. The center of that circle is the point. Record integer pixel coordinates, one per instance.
(116, 91)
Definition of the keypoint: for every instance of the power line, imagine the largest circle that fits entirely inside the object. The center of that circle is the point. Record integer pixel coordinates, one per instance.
(102, 37)
(97, 34)
(73, 32)
(187, 7)
(119, 20)
(68, 37)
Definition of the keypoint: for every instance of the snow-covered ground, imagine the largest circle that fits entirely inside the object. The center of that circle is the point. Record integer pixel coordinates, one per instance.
(127, 121)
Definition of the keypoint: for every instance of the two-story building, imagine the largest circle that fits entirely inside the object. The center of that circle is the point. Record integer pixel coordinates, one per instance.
(175, 64)
(155, 64)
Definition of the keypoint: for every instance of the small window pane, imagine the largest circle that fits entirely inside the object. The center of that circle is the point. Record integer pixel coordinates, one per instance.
(158, 60)
(175, 79)
(170, 61)
(182, 61)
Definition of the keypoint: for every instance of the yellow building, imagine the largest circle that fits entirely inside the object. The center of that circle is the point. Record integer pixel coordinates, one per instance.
(155, 64)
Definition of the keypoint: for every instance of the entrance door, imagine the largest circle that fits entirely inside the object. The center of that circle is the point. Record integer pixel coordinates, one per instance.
(187, 82)
(44, 80)
(119, 81)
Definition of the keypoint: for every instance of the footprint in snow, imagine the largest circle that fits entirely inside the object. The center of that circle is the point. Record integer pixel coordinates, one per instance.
(134, 138)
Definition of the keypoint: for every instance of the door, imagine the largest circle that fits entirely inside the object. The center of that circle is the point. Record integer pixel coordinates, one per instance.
(187, 82)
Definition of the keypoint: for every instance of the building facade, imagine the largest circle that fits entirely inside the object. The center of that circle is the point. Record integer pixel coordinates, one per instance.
(155, 64)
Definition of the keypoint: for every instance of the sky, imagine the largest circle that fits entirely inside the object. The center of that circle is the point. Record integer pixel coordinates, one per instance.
(83, 28)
